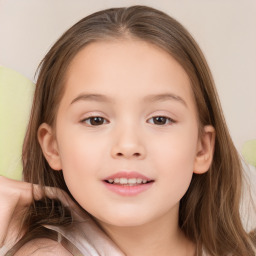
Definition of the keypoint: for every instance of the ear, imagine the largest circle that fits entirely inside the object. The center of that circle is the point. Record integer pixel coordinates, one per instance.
(49, 146)
(205, 150)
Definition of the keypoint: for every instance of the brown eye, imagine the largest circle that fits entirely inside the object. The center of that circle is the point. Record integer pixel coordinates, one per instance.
(94, 120)
(160, 120)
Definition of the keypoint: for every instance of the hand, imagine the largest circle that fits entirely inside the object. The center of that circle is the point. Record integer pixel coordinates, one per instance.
(15, 197)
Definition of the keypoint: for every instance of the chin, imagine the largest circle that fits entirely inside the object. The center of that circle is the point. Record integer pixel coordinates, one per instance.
(124, 219)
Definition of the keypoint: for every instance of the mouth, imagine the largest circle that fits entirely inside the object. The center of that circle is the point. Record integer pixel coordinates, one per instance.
(128, 183)
(128, 179)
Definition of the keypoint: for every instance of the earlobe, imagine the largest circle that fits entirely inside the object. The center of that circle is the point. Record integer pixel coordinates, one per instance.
(49, 146)
(205, 150)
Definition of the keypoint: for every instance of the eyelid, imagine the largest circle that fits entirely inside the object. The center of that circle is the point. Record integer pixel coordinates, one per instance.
(89, 117)
(163, 113)
(93, 114)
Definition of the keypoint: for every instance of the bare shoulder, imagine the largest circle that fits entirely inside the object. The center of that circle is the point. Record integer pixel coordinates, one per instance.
(42, 247)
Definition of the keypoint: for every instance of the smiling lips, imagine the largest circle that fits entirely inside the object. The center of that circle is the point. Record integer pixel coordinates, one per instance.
(128, 183)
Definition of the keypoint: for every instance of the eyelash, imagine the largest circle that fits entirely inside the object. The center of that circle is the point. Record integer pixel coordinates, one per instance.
(167, 119)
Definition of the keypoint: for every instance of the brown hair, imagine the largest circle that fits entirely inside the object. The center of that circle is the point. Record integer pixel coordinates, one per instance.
(209, 211)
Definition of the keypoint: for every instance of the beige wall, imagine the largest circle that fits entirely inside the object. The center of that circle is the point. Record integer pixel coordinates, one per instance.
(225, 30)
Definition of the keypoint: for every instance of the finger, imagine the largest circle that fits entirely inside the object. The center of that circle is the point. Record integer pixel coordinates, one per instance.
(13, 194)
(6, 214)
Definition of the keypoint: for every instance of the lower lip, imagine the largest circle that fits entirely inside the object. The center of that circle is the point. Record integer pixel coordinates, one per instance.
(125, 190)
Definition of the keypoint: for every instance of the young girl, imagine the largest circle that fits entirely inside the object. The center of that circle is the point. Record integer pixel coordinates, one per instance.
(127, 148)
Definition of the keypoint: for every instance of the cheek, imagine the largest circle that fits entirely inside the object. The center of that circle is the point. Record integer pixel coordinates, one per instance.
(81, 165)
(80, 160)
(174, 159)
(177, 148)
(83, 158)
(80, 153)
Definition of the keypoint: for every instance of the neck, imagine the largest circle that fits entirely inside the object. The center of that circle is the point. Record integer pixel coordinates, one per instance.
(158, 237)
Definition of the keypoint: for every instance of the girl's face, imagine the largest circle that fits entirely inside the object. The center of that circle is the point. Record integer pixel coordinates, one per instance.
(127, 115)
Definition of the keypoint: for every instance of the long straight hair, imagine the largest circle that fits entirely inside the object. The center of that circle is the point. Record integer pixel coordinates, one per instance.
(209, 211)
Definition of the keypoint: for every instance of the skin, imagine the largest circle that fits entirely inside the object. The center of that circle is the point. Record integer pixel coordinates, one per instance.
(128, 72)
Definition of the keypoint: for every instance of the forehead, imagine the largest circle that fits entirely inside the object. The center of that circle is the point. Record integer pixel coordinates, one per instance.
(126, 69)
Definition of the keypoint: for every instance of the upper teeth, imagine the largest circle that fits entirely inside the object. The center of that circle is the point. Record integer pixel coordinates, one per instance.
(130, 181)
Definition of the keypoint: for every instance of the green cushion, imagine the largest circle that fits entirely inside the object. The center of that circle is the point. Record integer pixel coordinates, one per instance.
(249, 152)
(16, 93)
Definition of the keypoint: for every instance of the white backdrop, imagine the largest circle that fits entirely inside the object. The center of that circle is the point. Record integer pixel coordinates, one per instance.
(225, 30)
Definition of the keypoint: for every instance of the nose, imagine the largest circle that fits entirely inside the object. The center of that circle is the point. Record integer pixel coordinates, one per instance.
(128, 144)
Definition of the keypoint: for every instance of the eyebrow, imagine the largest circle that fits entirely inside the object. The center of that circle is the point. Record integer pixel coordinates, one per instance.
(91, 97)
(148, 98)
(164, 97)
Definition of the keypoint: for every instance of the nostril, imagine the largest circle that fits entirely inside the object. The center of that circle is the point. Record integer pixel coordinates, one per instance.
(127, 153)
(121, 154)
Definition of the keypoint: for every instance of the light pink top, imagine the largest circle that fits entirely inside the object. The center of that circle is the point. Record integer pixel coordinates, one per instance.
(83, 237)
